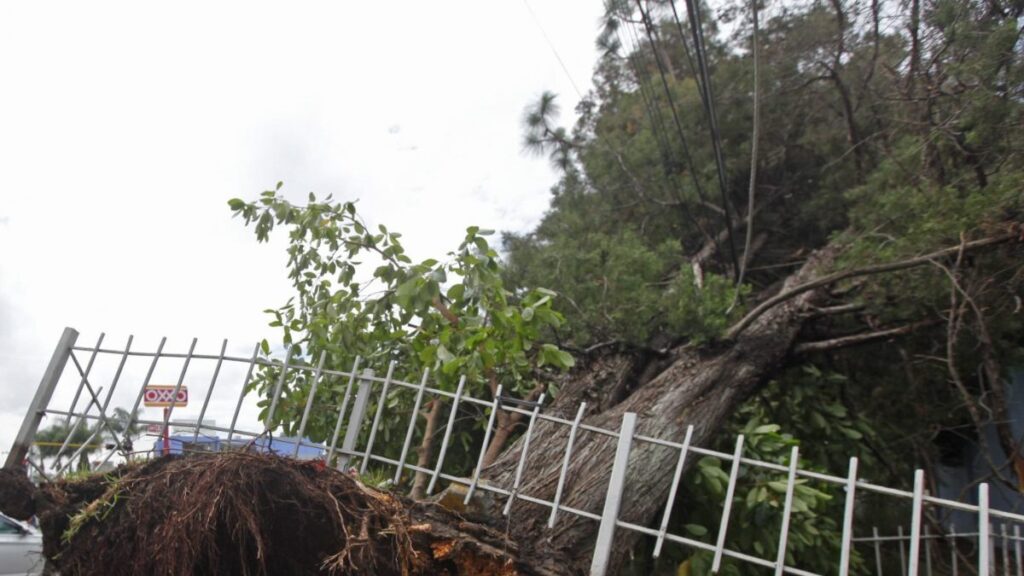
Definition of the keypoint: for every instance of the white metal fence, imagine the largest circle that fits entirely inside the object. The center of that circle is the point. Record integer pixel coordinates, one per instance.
(949, 552)
(87, 402)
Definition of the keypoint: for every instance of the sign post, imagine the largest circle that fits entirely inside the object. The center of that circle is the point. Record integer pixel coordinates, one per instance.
(157, 395)
(167, 433)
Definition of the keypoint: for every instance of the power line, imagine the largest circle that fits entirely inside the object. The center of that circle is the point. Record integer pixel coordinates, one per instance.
(671, 102)
(657, 122)
(653, 110)
(648, 26)
(753, 158)
(697, 29)
(553, 49)
(651, 103)
(686, 54)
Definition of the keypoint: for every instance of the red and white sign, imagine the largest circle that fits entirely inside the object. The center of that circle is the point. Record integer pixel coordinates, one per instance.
(160, 395)
(155, 429)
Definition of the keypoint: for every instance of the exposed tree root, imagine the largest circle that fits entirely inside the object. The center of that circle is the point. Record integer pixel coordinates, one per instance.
(242, 513)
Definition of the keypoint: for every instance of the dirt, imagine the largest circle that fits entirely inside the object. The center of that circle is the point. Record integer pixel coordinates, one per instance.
(253, 514)
(16, 492)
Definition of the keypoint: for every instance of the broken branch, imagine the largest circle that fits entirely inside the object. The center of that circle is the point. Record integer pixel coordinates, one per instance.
(754, 314)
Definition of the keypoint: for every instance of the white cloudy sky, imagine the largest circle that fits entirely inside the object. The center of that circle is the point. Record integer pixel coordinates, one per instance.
(126, 126)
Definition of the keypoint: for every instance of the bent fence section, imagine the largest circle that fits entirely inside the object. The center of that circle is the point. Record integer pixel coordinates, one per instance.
(995, 548)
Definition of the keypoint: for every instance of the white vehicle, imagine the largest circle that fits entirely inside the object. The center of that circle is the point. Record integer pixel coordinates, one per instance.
(21, 548)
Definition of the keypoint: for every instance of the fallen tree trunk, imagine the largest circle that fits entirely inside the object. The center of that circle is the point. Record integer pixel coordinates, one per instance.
(244, 513)
(699, 387)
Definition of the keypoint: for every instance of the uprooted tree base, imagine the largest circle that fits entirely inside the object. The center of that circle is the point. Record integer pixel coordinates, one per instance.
(242, 513)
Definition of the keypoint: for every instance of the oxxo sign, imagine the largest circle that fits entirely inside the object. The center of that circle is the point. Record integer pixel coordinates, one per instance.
(163, 396)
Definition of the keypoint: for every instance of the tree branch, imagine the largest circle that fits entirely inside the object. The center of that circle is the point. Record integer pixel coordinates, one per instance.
(445, 311)
(839, 309)
(857, 339)
(754, 314)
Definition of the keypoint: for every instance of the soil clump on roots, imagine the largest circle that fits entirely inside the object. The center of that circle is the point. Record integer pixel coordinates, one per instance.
(16, 492)
(253, 514)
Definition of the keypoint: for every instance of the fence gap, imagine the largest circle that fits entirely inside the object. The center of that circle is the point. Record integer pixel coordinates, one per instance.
(355, 420)
(565, 463)
(447, 436)
(209, 391)
(495, 406)
(727, 508)
(376, 418)
(309, 404)
(241, 393)
(412, 426)
(676, 477)
(343, 408)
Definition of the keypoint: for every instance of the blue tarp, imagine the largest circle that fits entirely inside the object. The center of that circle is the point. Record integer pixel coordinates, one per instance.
(284, 446)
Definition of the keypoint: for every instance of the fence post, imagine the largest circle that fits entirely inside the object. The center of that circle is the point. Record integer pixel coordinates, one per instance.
(851, 488)
(613, 499)
(1006, 548)
(29, 426)
(952, 549)
(355, 422)
(983, 543)
(915, 523)
(903, 551)
(878, 550)
(1016, 549)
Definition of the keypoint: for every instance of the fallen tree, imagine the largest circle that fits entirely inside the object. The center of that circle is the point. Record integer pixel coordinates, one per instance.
(646, 297)
(693, 385)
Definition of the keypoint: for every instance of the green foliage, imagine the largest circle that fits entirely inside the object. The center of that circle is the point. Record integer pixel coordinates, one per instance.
(807, 401)
(96, 510)
(357, 293)
(700, 310)
(614, 285)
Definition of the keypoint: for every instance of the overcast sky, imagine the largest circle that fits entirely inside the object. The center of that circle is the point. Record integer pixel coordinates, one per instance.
(126, 126)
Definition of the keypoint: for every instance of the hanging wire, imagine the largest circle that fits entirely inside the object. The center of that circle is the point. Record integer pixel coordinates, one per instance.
(697, 30)
(755, 135)
(554, 50)
(655, 116)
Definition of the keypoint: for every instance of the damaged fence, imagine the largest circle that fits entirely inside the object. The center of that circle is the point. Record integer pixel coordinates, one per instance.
(74, 394)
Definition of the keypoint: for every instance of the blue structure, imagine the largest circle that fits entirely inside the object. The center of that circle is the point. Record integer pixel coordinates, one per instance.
(182, 443)
(956, 482)
(285, 446)
(282, 446)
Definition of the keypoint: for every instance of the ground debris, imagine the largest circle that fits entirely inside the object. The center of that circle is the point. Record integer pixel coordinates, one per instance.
(254, 514)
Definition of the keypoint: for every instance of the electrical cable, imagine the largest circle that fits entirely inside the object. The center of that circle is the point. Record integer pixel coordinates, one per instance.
(753, 160)
(697, 30)
(553, 49)
(648, 26)
(669, 165)
(672, 104)
(653, 110)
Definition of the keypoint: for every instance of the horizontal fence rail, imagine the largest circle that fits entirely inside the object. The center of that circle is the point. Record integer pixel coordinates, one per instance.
(73, 367)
